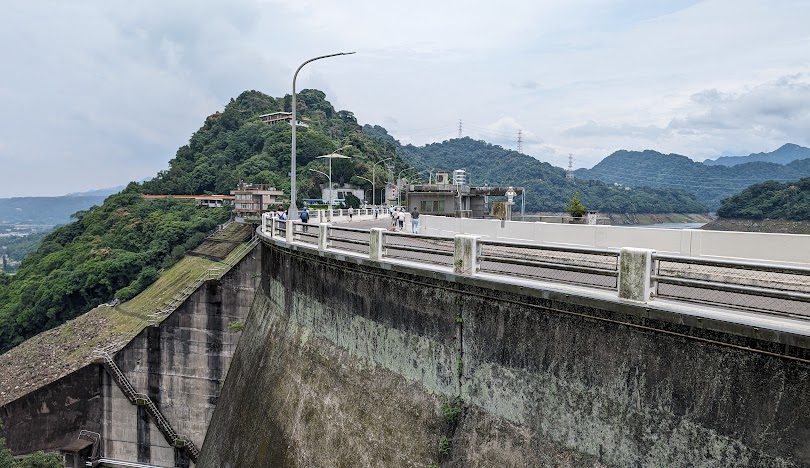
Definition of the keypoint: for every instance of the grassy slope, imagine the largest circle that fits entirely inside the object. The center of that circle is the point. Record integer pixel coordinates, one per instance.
(68, 347)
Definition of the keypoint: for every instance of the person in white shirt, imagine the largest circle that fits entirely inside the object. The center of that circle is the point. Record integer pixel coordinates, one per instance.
(401, 219)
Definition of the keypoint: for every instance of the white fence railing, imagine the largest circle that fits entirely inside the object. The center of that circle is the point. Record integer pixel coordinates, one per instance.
(634, 274)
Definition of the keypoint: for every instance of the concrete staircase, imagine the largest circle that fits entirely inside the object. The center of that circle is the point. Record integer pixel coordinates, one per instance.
(140, 399)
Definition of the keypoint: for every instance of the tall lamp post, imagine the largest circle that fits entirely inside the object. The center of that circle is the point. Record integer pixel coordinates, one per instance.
(372, 187)
(293, 211)
(373, 177)
(330, 157)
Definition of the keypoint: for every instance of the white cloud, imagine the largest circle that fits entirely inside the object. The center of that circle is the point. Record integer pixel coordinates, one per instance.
(117, 86)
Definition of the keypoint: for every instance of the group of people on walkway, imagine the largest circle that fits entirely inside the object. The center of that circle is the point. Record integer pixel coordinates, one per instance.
(398, 219)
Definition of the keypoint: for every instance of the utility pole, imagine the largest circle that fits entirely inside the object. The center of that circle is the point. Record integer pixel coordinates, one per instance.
(520, 141)
(459, 128)
(569, 173)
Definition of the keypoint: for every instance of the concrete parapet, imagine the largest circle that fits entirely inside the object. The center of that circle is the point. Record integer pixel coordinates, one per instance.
(375, 244)
(465, 258)
(635, 268)
(323, 236)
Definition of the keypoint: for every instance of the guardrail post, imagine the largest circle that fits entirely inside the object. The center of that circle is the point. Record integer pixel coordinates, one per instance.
(466, 254)
(264, 223)
(635, 268)
(375, 243)
(273, 222)
(289, 230)
(323, 236)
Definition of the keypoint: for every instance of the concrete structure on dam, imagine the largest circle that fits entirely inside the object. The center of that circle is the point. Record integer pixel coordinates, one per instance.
(374, 348)
(145, 399)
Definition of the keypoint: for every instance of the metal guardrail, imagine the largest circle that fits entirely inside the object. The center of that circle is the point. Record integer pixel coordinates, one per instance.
(352, 239)
(737, 284)
(734, 284)
(590, 267)
(438, 250)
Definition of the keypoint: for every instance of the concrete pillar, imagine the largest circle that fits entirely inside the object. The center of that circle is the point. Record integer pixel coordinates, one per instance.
(323, 236)
(289, 230)
(264, 222)
(465, 257)
(635, 268)
(375, 244)
(273, 222)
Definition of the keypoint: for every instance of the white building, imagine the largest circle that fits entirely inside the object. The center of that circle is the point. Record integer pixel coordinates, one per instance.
(338, 193)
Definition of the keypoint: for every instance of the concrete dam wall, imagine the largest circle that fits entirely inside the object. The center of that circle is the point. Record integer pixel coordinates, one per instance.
(180, 365)
(350, 362)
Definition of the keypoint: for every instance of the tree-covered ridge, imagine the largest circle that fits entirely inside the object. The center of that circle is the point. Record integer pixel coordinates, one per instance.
(114, 250)
(235, 145)
(710, 184)
(547, 189)
(770, 200)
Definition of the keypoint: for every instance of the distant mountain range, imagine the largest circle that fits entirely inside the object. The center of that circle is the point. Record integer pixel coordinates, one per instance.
(785, 154)
(51, 210)
(547, 187)
(710, 184)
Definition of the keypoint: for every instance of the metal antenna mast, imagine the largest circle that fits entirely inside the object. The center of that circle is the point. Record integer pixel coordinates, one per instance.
(569, 174)
(520, 141)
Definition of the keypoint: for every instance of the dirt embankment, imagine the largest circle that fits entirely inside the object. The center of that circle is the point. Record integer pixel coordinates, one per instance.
(626, 219)
(759, 225)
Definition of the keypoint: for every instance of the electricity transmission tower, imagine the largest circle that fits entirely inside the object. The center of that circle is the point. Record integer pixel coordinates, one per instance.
(520, 141)
(459, 128)
(569, 173)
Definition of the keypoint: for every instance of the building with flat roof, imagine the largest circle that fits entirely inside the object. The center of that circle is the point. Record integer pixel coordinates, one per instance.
(280, 117)
(462, 201)
(211, 201)
(339, 192)
(251, 200)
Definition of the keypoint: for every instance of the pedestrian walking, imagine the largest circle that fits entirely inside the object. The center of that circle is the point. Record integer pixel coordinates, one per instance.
(376, 212)
(351, 213)
(401, 218)
(305, 218)
(415, 221)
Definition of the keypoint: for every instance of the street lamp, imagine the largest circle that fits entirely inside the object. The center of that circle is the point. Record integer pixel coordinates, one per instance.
(293, 211)
(373, 169)
(372, 187)
(399, 190)
(330, 157)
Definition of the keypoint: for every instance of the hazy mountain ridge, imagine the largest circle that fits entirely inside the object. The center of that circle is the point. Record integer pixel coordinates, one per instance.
(547, 187)
(785, 154)
(710, 184)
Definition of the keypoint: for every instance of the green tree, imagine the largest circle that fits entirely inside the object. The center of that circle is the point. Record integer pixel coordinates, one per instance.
(575, 207)
(352, 201)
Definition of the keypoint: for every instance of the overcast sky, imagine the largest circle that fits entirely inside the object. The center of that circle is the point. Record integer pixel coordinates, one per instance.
(95, 94)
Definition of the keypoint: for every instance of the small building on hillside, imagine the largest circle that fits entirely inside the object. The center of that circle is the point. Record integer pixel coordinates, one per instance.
(211, 201)
(280, 117)
(251, 200)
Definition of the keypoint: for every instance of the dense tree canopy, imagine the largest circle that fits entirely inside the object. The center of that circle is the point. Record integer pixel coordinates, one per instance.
(235, 145)
(112, 250)
(770, 200)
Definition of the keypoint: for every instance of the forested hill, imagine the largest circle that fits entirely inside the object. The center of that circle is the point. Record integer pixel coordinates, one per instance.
(116, 249)
(785, 154)
(710, 184)
(770, 200)
(546, 185)
(235, 145)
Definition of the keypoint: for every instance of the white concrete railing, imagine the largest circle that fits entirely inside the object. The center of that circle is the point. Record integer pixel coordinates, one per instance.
(635, 274)
(731, 245)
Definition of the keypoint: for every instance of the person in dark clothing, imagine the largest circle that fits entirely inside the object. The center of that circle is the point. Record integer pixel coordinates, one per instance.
(415, 221)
